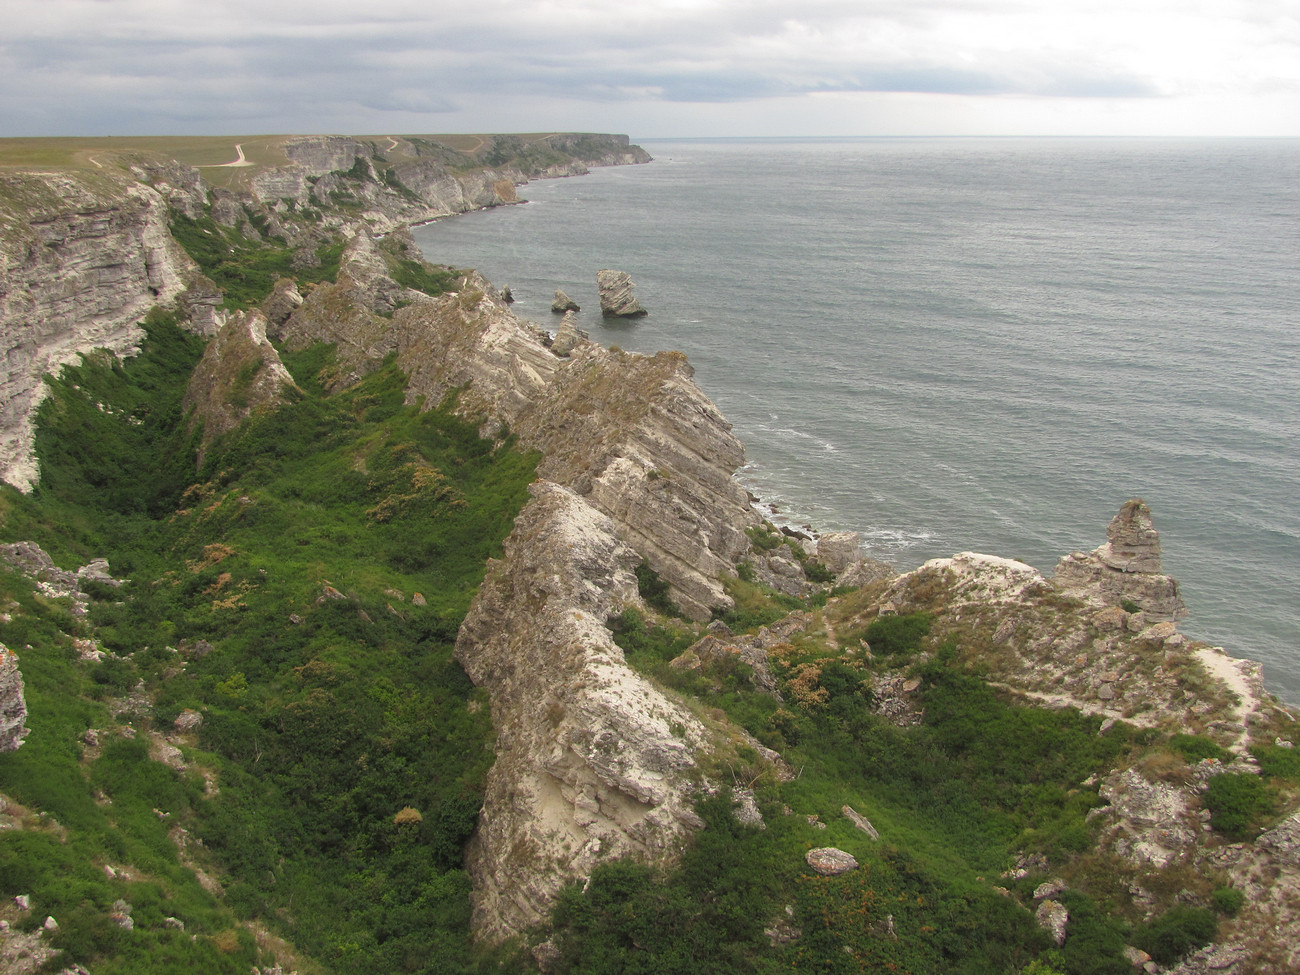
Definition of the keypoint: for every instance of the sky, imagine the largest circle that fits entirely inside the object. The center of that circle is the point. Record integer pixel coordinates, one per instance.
(651, 68)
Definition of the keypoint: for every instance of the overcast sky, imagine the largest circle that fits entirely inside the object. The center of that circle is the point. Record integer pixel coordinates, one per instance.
(651, 68)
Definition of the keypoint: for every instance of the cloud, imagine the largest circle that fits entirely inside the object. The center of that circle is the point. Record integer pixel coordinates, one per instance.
(298, 65)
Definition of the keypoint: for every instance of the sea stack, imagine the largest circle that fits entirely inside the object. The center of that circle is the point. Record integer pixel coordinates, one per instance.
(1127, 569)
(563, 303)
(617, 299)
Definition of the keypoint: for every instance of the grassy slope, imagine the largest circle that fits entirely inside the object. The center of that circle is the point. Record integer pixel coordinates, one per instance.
(330, 700)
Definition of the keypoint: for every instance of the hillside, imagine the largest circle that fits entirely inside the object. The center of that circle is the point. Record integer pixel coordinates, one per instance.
(352, 624)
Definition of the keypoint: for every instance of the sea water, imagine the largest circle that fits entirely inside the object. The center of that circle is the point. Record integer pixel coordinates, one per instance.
(970, 344)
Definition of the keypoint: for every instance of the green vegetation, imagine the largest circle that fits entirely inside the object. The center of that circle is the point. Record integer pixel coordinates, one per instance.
(1238, 804)
(273, 592)
(244, 268)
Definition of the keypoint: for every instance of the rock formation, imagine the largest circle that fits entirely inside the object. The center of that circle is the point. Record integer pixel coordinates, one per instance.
(84, 255)
(617, 298)
(567, 336)
(13, 707)
(240, 374)
(563, 303)
(82, 258)
(632, 434)
(1125, 569)
(593, 762)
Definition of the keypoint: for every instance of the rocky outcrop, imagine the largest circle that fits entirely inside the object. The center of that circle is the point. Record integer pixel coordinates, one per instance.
(632, 434)
(83, 257)
(240, 374)
(13, 707)
(51, 581)
(593, 762)
(1125, 569)
(617, 295)
(563, 303)
(567, 336)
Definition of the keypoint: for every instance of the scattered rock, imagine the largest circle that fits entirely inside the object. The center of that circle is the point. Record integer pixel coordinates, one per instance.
(617, 298)
(1052, 917)
(1049, 888)
(829, 861)
(563, 303)
(187, 721)
(744, 808)
(860, 821)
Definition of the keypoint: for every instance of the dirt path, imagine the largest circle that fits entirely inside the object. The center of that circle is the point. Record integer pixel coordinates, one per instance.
(239, 160)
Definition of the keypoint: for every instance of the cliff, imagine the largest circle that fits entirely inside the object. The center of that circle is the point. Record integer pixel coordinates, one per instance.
(86, 250)
(987, 745)
(83, 256)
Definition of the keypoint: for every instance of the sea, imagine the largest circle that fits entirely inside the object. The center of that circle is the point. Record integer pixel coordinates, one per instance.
(974, 344)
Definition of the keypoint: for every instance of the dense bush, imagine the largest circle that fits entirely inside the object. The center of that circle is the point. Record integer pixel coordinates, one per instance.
(1179, 930)
(1238, 802)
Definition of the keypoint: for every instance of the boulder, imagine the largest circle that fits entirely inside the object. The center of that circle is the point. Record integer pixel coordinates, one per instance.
(563, 303)
(617, 297)
(712, 652)
(829, 861)
(838, 550)
(1052, 917)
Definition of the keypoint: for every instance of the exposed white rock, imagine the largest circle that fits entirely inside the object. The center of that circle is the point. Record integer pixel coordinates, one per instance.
(240, 373)
(830, 861)
(593, 762)
(838, 550)
(83, 257)
(1053, 917)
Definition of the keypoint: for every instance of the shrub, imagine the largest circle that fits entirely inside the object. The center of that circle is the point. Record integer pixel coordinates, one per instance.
(898, 635)
(1195, 748)
(654, 590)
(1228, 900)
(1176, 932)
(1237, 802)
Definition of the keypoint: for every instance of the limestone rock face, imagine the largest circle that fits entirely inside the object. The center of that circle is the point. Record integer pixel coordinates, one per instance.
(13, 708)
(617, 295)
(82, 258)
(838, 550)
(592, 761)
(1126, 568)
(240, 373)
(632, 434)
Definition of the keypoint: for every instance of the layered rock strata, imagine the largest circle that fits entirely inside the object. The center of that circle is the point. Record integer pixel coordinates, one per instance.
(82, 258)
(593, 762)
(1126, 569)
(632, 434)
(617, 295)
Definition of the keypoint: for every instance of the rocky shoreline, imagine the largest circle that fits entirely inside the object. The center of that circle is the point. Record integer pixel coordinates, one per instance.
(638, 475)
